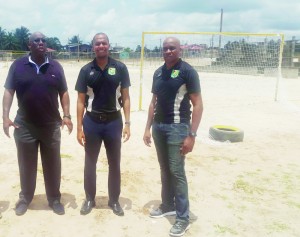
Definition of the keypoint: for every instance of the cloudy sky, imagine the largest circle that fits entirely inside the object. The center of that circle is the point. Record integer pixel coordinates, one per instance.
(124, 21)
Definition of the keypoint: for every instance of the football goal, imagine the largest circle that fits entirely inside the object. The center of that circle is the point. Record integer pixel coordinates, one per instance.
(218, 56)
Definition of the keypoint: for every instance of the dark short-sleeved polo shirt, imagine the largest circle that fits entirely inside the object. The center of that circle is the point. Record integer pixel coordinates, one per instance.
(103, 87)
(37, 92)
(172, 87)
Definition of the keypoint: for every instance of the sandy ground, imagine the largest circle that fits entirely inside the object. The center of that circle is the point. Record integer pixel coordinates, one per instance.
(246, 189)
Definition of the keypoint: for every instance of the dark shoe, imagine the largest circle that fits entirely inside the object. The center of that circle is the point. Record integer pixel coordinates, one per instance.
(57, 207)
(21, 207)
(162, 211)
(87, 207)
(117, 209)
(179, 228)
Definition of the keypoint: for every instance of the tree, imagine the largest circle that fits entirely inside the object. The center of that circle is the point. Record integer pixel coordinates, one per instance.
(75, 40)
(2, 38)
(22, 36)
(11, 42)
(128, 50)
(54, 43)
(138, 49)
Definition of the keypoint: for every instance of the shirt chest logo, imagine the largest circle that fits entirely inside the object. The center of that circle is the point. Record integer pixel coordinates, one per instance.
(175, 73)
(111, 71)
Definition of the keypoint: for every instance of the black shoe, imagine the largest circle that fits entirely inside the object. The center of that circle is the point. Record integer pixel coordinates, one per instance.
(57, 207)
(86, 207)
(21, 207)
(117, 209)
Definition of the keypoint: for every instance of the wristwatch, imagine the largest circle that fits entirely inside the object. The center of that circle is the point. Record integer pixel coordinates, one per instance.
(193, 134)
(67, 116)
(127, 123)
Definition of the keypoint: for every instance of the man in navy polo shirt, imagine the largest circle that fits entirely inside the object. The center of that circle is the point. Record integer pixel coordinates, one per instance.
(103, 89)
(38, 82)
(175, 85)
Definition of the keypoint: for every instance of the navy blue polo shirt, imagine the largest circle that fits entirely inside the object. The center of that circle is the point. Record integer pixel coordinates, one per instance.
(103, 88)
(37, 91)
(172, 87)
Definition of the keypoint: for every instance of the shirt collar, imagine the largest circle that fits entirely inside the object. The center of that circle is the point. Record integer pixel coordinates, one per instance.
(175, 66)
(37, 66)
(110, 62)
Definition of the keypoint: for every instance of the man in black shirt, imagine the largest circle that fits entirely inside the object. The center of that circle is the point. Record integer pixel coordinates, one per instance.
(175, 85)
(38, 82)
(103, 89)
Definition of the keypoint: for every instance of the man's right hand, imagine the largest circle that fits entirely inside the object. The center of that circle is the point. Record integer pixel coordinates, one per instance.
(81, 137)
(6, 124)
(147, 138)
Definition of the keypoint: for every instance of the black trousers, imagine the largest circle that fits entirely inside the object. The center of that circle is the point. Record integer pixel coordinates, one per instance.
(29, 139)
(95, 133)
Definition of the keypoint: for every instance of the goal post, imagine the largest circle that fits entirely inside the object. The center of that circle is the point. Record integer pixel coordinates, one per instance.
(222, 53)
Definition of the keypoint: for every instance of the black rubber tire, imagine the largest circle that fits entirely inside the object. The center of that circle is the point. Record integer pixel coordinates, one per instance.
(224, 133)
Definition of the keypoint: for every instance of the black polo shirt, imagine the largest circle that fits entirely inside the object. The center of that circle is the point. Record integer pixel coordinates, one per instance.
(103, 88)
(172, 87)
(37, 91)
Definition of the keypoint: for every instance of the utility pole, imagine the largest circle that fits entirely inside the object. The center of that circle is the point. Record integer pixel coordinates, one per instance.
(221, 25)
(78, 48)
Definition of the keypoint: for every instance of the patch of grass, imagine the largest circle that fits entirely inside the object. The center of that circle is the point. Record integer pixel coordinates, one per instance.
(223, 197)
(225, 229)
(229, 159)
(278, 227)
(246, 187)
(293, 204)
(65, 156)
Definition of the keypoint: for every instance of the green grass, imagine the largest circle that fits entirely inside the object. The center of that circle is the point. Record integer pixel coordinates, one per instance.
(246, 187)
(65, 156)
(225, 229)
(278, 227)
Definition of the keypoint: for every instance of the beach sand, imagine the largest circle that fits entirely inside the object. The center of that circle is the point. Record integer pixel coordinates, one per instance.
(249, 188)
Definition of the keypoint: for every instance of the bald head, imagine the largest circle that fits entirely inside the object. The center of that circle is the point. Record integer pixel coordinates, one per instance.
(100, 34)
(171, 51)
(173, 40)
(36, 35)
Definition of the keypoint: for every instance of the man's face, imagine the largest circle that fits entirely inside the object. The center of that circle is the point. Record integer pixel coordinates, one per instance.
(37, 44)
(101, 46)
(171, 50)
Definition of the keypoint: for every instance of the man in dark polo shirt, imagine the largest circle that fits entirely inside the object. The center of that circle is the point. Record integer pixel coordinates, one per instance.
(38, 82)
(175, 85)
(103, 89)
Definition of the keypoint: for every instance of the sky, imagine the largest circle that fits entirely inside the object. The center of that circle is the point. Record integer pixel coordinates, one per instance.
(124, 21)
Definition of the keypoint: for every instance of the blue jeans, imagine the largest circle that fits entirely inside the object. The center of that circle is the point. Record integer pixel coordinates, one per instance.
(168, 139)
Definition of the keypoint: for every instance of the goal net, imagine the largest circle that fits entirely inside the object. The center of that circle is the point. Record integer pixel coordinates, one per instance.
(227, 63)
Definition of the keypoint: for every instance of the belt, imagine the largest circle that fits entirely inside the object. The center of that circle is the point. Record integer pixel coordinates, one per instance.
(104, 117)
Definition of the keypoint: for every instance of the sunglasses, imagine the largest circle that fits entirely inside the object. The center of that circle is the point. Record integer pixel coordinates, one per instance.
(171, 48)
(37, 40)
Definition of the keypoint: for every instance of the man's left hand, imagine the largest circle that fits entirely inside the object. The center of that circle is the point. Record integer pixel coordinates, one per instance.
(188, 145)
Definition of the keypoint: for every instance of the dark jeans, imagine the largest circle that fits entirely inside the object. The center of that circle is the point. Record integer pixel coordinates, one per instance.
(110, 133)
(29, 139)
(168, 139)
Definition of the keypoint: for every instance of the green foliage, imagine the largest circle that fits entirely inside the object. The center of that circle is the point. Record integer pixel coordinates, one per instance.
(240, 53)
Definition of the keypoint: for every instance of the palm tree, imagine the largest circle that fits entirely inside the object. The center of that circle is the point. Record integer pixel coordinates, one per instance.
(54, 43)
(10, 42)
(22, 36)
(75, 40)
(2, 38)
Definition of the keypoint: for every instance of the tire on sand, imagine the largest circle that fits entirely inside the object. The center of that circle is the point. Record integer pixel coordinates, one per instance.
(226, 133)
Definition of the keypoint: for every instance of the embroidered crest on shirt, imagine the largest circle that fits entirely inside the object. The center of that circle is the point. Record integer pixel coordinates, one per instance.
(175, 73)
(111, 71)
